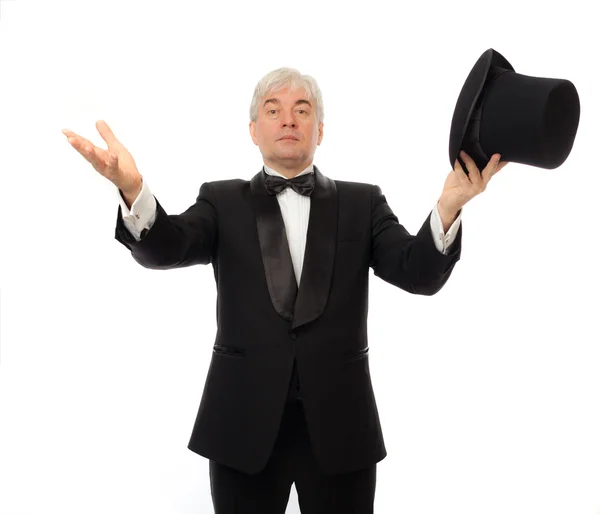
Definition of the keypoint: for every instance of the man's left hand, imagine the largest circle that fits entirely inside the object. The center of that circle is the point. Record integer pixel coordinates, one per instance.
(460, 188)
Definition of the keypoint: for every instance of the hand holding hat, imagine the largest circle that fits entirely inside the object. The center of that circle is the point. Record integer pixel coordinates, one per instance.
(459, 187)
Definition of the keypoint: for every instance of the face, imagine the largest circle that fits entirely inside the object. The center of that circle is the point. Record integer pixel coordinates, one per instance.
(286, 130)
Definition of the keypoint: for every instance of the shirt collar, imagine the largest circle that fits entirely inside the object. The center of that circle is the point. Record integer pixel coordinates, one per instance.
(271, 171)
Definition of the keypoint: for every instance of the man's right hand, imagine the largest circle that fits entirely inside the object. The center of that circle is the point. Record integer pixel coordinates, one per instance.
(116, 163)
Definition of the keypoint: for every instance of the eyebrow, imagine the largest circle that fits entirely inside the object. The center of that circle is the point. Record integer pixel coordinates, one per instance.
(276, 101)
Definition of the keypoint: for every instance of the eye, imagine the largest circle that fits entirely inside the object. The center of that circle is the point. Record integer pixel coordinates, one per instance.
(270, 111)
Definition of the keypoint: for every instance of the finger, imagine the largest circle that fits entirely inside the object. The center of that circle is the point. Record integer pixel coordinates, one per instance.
(106, 133)
(94, 155)
(74, 139)
(461, 175)
(491, 168)
(82, 145)
(68, 133)
(474, 174)
(501, 165)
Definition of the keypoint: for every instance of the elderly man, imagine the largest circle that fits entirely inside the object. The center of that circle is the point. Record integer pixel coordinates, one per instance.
(288, 395)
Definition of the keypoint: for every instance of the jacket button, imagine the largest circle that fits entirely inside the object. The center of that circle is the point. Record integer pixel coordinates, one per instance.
(293, 335)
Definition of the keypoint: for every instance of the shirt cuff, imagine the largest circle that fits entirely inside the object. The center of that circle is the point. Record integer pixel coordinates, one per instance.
(443, 241)
(142, 213)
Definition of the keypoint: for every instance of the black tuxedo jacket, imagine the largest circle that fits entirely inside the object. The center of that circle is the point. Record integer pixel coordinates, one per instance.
(267, 325)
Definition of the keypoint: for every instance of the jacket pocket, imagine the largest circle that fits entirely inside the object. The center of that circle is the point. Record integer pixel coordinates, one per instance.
(232, 351)
(357, 355)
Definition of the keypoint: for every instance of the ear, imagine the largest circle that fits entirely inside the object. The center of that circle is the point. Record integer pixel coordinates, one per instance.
(252, 127)
(320, 133)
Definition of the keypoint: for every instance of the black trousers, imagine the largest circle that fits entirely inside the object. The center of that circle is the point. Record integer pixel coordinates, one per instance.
(292, 461)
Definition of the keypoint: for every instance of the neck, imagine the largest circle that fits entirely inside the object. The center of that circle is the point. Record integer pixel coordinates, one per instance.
(287, 170)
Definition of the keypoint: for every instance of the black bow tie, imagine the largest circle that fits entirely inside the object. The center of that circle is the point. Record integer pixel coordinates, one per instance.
(303, 184)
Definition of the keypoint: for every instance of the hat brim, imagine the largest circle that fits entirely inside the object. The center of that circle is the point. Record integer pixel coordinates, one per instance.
(468, 97)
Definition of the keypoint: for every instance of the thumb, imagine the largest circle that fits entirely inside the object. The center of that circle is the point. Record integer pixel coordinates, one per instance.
(106, 133)
(501, 165)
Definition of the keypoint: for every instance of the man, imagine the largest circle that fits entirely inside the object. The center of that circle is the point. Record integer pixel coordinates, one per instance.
(288, 396)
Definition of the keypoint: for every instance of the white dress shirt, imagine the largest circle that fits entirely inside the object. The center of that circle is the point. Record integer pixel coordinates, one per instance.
(295, 210)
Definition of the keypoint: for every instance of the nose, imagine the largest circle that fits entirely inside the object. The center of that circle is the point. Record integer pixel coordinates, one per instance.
(289, 121)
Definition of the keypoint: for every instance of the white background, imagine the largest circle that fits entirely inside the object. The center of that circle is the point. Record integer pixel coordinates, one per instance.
(488, 391)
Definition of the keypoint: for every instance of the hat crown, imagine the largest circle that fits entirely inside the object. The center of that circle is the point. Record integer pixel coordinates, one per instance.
(530, 120)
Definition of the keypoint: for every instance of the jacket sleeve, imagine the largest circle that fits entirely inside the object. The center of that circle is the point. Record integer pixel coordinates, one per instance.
(176, 240)
(412, 263)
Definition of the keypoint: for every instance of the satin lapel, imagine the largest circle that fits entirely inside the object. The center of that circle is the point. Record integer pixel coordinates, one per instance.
(319, 255)
(275, 250)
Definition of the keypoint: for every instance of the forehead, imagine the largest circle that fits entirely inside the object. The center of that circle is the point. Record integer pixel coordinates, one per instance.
(286, 95)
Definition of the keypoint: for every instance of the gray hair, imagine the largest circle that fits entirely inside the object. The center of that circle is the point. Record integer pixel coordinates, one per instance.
(286, 77)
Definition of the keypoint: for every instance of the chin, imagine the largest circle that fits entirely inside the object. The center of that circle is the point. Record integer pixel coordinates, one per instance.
(290, 155)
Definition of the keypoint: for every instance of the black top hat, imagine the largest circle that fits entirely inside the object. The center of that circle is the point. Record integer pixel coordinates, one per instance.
(529, 120)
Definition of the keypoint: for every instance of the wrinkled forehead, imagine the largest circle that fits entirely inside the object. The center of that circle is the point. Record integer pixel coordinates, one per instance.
(287, 95)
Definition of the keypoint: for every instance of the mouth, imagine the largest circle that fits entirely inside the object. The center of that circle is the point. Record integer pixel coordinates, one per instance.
(288, 138)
